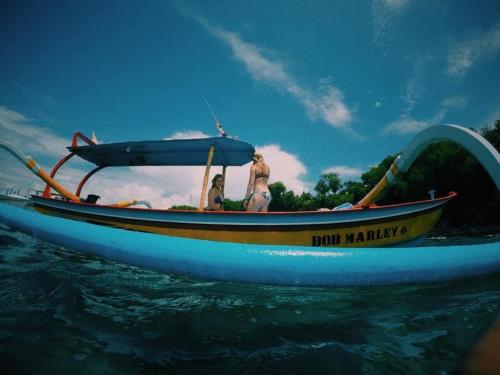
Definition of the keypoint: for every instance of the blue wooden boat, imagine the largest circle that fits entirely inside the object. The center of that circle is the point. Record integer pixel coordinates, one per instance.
(343, 247)
(362, 225)
(357, 227)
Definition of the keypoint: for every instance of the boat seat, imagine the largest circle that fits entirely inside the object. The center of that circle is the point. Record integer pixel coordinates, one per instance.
(91, 198)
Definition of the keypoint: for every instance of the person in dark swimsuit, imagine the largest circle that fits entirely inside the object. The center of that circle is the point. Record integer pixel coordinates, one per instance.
(215, 194)
(258, 196)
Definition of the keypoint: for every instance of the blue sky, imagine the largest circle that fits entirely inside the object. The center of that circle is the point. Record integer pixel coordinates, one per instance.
(318, 85)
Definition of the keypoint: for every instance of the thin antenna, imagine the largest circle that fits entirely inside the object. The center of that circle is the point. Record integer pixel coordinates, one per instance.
(217, 122)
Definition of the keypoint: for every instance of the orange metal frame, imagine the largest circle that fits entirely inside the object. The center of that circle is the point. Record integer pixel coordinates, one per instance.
(74, 143)
(85, 179)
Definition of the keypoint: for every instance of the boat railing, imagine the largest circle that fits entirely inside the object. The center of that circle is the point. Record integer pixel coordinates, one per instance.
(39, 193)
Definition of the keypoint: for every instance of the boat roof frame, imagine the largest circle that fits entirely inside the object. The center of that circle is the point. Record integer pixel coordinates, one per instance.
(169, 152)
(208, 152)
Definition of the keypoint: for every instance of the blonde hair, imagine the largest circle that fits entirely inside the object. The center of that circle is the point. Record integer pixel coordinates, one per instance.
(257, 157)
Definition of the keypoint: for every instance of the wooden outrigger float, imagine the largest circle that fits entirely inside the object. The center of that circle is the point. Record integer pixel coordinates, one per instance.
(362, 225)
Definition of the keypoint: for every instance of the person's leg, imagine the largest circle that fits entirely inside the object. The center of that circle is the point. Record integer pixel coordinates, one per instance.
(267, 200)
(251, 204)
(256, 203)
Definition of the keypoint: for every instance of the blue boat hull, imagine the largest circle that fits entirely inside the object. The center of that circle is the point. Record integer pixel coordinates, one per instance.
(380, 226)
(272, 264)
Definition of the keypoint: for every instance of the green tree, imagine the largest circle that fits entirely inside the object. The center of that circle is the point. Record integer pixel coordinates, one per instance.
(329, 183)
(306, 202)
(444, 167)
(230, 205)
(277, 189)
(354, 191)
(326, 188)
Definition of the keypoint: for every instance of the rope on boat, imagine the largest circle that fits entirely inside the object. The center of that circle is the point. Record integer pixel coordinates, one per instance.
(479, 147)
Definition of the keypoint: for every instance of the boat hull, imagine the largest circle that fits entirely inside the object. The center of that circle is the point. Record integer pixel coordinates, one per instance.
(372, 227)
(271, 264)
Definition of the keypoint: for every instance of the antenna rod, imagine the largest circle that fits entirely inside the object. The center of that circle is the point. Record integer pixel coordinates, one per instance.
(211, 110)
(217, 122)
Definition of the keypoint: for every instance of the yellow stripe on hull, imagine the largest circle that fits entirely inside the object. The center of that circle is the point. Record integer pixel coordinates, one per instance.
(380, 234)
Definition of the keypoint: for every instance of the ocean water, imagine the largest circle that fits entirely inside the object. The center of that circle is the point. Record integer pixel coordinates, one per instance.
(62, 311)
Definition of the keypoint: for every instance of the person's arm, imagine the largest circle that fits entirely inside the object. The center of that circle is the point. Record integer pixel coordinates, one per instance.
(251, 183)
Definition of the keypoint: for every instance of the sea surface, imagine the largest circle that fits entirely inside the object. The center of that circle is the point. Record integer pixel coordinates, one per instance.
(66, 312)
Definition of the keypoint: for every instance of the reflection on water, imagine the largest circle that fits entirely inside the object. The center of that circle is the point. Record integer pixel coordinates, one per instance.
(67, 311)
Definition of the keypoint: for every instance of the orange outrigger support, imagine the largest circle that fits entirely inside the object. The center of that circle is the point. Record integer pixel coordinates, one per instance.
(74, 143)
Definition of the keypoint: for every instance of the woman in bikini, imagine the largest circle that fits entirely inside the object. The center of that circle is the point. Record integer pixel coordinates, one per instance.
(258, 196)
(215, 194)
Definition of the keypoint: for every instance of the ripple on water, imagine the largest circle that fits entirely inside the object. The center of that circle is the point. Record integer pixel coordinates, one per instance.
(73, 312)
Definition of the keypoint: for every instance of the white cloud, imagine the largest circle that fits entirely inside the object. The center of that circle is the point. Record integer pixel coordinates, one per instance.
(489, 120)
(413, 93)
(395, 4)
(161, 186)
(344, 171)
(408, 125)
(21, 132)
(466, 54)
(16, 129)
(285, 167)
(327, 104)
(383, 14)
(188, 134)
(152, 193)
(415, 87)
(458, 102)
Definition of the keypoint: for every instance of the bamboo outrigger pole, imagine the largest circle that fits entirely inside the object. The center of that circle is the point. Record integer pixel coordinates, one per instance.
(223, 182)
(205, 179)
(32, 165)
(387, 180)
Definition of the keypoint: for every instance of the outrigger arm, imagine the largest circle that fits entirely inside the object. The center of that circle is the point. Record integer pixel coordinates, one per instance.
(479, 147)
(32, 165)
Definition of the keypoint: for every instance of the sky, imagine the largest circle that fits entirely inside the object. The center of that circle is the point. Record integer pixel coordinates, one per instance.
(316, 86)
